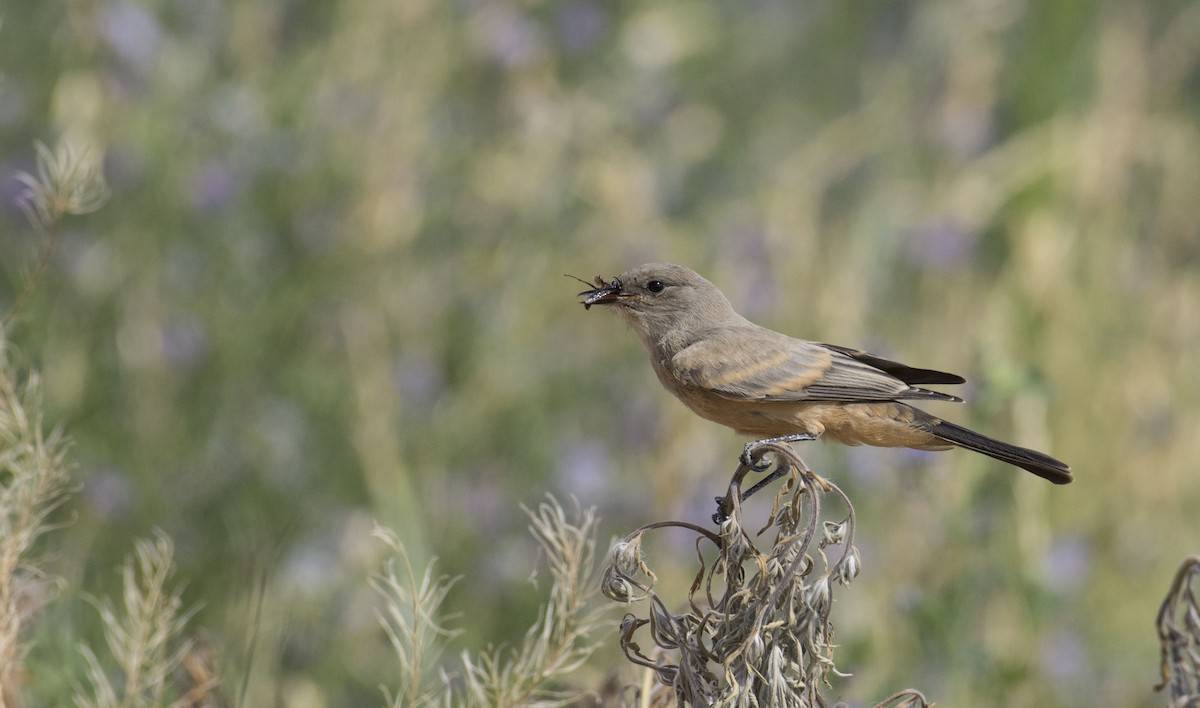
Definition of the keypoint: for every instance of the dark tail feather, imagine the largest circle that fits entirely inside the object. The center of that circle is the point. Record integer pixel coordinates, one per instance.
(1036, 462)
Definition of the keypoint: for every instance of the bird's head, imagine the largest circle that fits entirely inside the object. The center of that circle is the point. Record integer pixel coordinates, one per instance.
(658, 299)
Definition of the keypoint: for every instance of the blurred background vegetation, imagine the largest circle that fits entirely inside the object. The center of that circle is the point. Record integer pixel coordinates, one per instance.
(328, 289)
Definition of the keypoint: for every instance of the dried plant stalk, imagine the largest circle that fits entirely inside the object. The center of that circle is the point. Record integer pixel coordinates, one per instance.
(908, 698)
(1179, 636)
(756, 630)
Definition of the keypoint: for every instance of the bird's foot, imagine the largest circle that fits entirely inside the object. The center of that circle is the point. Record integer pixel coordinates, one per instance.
(725, 504)
(761, 464)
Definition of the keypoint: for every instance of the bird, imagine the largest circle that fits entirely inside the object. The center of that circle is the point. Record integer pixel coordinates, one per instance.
(777, 388)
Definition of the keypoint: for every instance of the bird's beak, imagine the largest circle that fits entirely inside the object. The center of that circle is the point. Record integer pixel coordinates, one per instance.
(604, 294)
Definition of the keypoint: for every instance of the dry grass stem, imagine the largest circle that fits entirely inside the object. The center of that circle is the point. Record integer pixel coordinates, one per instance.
(560, 640)
(531, 673)
(33, 482)
(144, 636)
(410, 619)
(68, 181)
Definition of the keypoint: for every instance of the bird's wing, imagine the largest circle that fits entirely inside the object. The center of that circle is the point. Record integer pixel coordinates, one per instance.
(907, 374)
(754, 363)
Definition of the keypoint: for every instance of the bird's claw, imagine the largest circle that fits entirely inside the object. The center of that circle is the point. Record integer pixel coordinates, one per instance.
(747, 458)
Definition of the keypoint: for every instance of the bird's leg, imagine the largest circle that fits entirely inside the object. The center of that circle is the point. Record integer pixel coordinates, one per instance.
(747, 457)
(779, 472)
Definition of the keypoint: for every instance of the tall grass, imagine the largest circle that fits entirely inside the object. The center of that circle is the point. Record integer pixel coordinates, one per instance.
(536, 671)
(145, 638)
(34, 481)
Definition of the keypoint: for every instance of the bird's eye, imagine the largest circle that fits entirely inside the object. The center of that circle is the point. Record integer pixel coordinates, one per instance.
(655, 286)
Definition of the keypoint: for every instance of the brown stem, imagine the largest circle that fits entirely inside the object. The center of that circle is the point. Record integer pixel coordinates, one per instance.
(51, 236)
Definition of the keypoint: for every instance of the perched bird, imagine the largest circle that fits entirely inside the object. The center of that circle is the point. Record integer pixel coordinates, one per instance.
(768, 385)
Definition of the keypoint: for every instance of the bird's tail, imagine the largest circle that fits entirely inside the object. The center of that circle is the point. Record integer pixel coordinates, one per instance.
(1036, 462)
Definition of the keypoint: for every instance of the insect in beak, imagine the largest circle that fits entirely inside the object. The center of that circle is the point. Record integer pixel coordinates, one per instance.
(603, 293)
